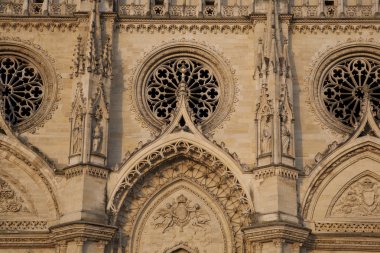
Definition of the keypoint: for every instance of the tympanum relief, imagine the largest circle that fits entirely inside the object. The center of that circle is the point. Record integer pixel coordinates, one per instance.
(10, 201)
(360, 199)
(180, 213)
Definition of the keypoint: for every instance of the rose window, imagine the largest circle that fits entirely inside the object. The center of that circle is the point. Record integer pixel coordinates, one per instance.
(202, 86)
(21, 89)
(345, 86)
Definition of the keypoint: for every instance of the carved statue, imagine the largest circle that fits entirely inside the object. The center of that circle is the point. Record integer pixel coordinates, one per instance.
(77, 135)
(97, 138)
(266, 136)
(285, 135)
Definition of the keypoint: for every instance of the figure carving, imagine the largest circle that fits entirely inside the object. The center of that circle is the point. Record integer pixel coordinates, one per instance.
(97, 139)
(97, 134)
(285, 135)
(266, 135)
(77, 134)
(360, 199)
(180, 213)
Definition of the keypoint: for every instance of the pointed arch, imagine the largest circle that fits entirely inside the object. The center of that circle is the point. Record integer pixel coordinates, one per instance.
(195, 175)
(158, 152)
(42, 173)
(354, 150)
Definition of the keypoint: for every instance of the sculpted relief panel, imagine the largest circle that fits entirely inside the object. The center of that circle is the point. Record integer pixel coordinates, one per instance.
(359, 198)
(180, 216)
(10, 201)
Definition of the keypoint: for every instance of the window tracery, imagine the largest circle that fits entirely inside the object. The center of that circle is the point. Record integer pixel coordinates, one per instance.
(21, 88)
(346, 84)
(163, 83)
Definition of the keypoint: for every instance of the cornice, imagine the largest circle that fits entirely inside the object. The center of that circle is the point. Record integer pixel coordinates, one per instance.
(243, 25)
(347, 227)
(334, 25)
(70, 231)
(343, 242)
(335, 20)
(271, 171)
(17, 240)
(32, 24)
(269, 232)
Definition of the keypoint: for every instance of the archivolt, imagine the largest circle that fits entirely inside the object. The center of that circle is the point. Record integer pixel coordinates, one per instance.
(161, 155)
(15, 153)
(330, 165)
(213, 178)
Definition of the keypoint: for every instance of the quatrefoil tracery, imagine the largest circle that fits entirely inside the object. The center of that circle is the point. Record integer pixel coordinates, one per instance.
(21, 89)
(346, 84)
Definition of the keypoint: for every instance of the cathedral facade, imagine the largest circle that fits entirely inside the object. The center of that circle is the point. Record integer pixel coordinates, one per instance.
(186, 126)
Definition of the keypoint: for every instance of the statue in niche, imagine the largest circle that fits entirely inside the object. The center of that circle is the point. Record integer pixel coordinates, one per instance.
(285, 134)
(266, 135)
(97, 133)
(97, 138)
(77, 134)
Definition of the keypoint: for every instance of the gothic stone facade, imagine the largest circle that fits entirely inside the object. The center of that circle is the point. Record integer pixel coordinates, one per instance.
(189, 126)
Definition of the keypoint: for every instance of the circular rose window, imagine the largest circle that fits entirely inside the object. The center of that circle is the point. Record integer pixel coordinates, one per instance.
(201, 71)
(21, 89)
(345, 85)
(202, 87)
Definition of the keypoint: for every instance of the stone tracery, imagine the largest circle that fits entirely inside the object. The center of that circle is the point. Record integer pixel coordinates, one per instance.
(212, 179)
(22, 88)
(345, 85)
(162, 86)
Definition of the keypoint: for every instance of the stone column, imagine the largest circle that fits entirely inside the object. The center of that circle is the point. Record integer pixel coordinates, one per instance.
(296, 247)
(61, 247)
(101, 246)
(258, 247)
(80, 243)
(278, 244)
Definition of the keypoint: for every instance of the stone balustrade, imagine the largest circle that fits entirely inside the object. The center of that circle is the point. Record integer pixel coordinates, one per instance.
(36, 8)
(336, 10)
(183, 10)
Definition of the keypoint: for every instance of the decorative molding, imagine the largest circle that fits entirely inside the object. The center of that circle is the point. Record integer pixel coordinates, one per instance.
(181, 245)
(275, 232)
(82, 231)
(347, 227)
(311, 165)
(29, 240)
(25, 24)
(80, 170)
(209, 55)
(185, 26)
(346, 243)
(264, 173)
(26, 225)
(333, 25)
